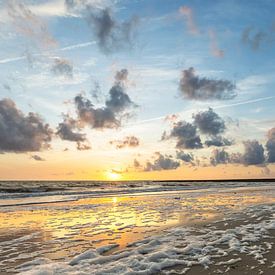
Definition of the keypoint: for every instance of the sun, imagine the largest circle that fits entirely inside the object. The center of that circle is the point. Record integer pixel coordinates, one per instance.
(113, 176)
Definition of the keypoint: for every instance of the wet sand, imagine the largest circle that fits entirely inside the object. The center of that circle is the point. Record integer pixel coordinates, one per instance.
(60, 231)
(242, 263)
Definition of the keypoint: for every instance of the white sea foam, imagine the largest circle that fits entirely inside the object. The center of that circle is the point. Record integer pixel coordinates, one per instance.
(178, 246)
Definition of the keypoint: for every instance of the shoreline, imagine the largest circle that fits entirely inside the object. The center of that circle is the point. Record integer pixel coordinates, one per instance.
(240, 244)
(157, 232)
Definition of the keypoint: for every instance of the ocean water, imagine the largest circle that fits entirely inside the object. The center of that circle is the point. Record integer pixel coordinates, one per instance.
(55, 222)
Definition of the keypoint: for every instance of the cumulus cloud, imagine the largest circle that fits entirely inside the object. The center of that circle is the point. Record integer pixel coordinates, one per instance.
(118, 100)
(206, 124)
(29, 25)
(219, 157)
(186, 135)
(253, 153)
(66, 130)
(202, 88)
(83, 146)
(62, 67)
(111, 34)
(218, 141)
(270, 145)
(22, 133)
(187, 13)
(214, 48)
(161, 162)
(209, 122)
(129, 141)
(186, 157)
(37, 158)
(108, 116)
(97, 118)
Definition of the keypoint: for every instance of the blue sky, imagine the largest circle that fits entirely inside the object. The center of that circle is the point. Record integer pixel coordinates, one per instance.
(221, 40)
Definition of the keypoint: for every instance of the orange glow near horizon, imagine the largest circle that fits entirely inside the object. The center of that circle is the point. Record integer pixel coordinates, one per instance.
(113, 176)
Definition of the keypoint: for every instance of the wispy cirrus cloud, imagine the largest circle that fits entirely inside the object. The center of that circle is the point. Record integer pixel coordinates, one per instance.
(188, 15)
(28, 24)
(214, 48)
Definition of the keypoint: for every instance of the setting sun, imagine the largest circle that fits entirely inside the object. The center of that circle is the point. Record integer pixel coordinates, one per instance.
(111, 175)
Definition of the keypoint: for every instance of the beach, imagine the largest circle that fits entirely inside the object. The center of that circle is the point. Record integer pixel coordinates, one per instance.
(164, 228)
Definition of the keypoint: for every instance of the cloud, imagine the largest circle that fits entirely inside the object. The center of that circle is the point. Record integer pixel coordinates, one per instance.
(111, 35)
(254, 39)
(37, 158)
(22, 133)
(161, 162)
(136, 164)
(186, 135)
(118, 100)
(62, 67)
(187, 13)
(201, 88)
(253, 153)
(108, 116)
(97, 118)
(219, 157)
(218, 141)
(29, 25)
(121, 76)
(83, 146)
(130, 141)
(270, 145)
(209, 122)
(205, 123)
(65, 130)
(214, 48)
(186, 157)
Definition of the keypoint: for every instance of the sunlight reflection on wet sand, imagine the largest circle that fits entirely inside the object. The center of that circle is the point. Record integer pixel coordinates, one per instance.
(61, 230)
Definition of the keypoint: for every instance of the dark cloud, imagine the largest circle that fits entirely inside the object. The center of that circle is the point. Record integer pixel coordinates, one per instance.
(161, 162)
(270, 145)
(22, 133)
(108, 116)
(111, 34)
(97, 118)
(130, 141)
(37, 158)
(219, 157)
(186, 157)
(253, 153)
(186, 135)
(62, 67)
(66, 130)
(202, 88)
(118, 100)
(218, 141)
(209, 122)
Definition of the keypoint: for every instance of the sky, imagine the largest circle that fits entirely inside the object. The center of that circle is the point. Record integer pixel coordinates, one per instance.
(137, 89)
